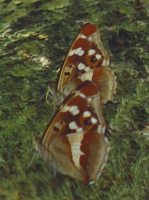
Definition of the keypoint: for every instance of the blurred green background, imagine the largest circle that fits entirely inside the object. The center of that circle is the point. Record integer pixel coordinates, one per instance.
(34, 39)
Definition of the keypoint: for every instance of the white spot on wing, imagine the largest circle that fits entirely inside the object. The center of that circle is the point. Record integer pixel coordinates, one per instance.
(73, 125)
(75, 144)
(98, 56)
(77, 50)
(82, 36)
(91, 52)
(78, 93)
(87, 69)
(81, 52)
(74, 110)
(86, 114)
(82, 95)
(93, 120)
(81, 66)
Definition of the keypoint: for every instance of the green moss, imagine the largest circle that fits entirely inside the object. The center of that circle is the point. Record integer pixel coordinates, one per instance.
(35, 37)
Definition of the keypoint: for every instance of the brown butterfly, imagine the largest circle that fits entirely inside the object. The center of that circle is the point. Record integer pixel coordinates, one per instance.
(87, 60)
(73, 140)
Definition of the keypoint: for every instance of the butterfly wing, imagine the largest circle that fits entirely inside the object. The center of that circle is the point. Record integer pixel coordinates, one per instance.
(106, 82)
(62, 140)
(84, 98)
(81, 156)
(95, 148)
(89, 153)
(85, 56)
(58, 152)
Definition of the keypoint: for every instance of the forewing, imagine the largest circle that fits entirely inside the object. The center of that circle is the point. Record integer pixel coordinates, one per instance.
(85, 54)
(75, 114)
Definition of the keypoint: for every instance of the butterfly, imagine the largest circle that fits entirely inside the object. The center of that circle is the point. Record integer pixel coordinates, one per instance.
(87, 60)
(73, 140)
